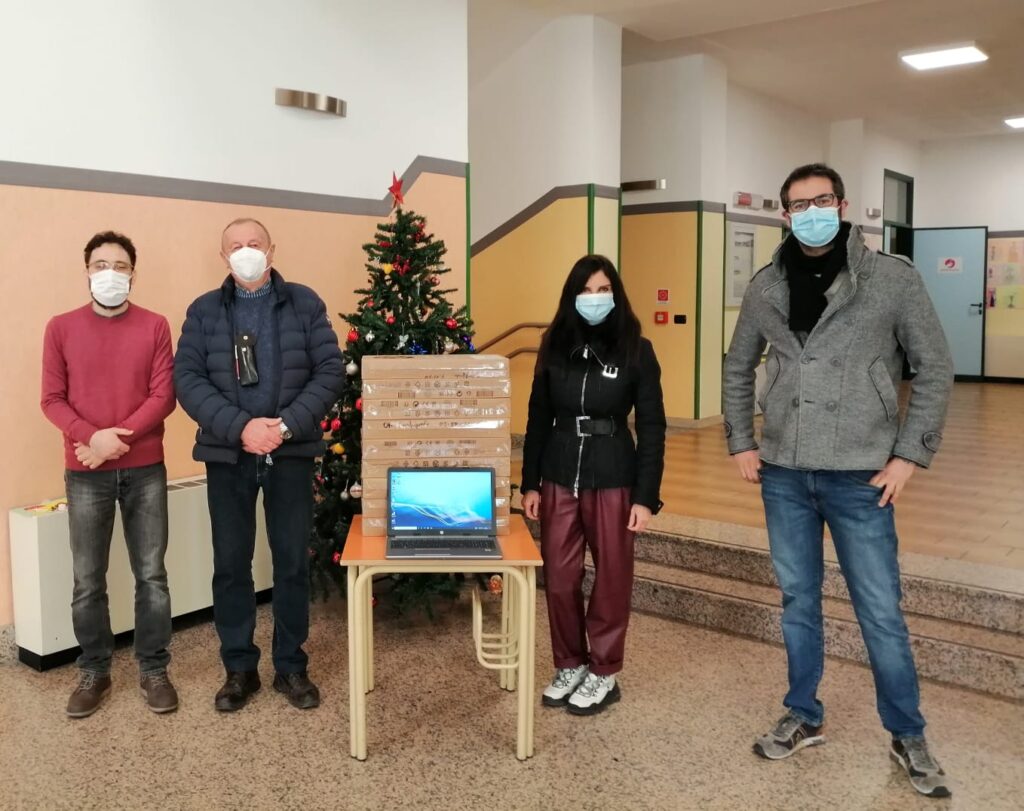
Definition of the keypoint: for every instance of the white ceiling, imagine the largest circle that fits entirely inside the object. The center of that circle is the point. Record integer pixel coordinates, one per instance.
(839, 58)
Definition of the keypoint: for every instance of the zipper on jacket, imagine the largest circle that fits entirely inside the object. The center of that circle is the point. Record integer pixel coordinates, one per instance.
(583, 396)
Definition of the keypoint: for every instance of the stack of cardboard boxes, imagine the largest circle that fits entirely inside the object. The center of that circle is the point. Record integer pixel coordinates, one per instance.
(434, 411)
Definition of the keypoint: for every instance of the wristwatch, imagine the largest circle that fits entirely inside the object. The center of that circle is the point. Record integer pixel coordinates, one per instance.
(286, 432)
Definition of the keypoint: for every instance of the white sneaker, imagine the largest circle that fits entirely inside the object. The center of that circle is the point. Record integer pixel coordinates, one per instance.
(566, 680)
(596, 693)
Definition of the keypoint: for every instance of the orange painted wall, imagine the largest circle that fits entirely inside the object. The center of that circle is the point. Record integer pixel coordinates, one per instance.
(178, 243)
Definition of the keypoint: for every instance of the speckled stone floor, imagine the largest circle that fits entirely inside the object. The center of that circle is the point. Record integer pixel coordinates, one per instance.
(441, 734)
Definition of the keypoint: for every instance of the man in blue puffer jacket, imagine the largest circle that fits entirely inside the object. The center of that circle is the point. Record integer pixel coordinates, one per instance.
(258, 366)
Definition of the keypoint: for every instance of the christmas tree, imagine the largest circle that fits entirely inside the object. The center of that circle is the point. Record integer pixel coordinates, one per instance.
(403, 310)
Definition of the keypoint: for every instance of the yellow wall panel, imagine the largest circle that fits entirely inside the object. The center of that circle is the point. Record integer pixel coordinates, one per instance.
(660, 251)
(712, 281)
(606, 228)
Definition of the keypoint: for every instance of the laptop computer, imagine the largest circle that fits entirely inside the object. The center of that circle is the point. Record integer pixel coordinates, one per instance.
(441, 513)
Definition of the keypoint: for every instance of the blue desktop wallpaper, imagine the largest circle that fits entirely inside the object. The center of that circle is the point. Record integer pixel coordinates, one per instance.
(441, 499)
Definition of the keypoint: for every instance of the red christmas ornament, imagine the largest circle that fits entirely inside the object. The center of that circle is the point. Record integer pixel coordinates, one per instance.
(383, 244)
(359, 404)
(353, 336)
(370, 304)
(435, 281)
(323, 424)
(389, 320)
(451, 323)
(336, 557)
(335, 424)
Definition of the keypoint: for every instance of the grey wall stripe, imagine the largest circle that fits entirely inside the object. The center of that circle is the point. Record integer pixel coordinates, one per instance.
(660, 208)
(94, 180)
(538, 205)
(1004, 234)
(872, 229)
(755, 219)
(610, 192)
(714, 208)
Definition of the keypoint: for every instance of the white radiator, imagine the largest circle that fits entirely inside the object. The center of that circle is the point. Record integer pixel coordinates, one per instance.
(43, 581)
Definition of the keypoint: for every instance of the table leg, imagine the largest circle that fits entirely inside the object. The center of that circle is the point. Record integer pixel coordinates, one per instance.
(503, 675)
(358, 599)
(525, 708)
(353, 662)
(368, 635)
(528, 648)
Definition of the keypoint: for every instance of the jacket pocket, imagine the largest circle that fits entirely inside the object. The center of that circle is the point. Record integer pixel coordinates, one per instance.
(772, 367)
(879, 374)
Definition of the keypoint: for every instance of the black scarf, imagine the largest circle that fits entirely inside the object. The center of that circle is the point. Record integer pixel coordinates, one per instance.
(809, 277)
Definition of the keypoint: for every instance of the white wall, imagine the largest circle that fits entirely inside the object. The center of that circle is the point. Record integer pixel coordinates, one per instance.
(973, 181)
(883, 152)
(766, 141)
(186, 88)
(545, 113)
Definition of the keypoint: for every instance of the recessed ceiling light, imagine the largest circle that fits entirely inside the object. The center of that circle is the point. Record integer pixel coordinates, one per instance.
(1016, 123)
(963, 54)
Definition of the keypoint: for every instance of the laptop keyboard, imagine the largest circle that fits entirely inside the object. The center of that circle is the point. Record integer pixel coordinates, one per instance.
(457, 543)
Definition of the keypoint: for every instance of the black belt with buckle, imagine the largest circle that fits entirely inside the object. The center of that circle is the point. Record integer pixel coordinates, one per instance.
(587, 426)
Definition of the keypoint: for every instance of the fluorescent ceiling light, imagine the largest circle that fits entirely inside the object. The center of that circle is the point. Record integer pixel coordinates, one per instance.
(944, 57)
(1016, 123)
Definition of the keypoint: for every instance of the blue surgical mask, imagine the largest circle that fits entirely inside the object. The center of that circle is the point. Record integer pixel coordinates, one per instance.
(815, 227)
(595, 307)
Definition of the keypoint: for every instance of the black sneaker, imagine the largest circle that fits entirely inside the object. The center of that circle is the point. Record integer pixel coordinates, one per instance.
(790, 735)
(302, 693)
(236, 690)
(924, 771)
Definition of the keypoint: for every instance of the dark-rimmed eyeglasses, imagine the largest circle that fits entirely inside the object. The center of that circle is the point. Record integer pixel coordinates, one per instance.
(821, 201)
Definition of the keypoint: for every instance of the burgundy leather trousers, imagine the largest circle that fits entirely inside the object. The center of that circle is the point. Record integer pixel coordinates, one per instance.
(598, 520)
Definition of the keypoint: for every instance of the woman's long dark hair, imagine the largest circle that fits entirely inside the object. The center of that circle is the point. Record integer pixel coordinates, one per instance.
(620, 332)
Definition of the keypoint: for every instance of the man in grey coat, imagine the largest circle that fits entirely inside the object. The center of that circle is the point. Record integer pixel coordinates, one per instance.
(838, 320)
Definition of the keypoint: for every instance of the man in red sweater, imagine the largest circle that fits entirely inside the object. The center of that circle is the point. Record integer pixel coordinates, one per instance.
(108, 385)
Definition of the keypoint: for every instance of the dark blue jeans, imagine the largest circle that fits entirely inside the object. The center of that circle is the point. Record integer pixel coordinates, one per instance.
(92, 497)
(798, 503)
(288, 505)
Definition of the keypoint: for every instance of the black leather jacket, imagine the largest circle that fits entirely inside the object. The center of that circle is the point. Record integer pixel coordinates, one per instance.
(578, 385)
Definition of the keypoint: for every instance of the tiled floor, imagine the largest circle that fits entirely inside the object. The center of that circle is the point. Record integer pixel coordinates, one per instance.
(441, 734)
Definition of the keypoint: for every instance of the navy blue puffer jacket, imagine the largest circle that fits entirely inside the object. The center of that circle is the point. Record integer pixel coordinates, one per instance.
(312, 374)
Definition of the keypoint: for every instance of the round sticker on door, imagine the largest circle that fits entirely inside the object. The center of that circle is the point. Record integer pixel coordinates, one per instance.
(951, 264)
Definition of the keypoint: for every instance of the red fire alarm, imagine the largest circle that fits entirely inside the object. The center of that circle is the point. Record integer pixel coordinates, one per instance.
(660, 317)
(663, 295)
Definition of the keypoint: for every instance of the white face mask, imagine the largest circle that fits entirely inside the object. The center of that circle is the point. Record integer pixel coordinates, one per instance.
(109, 287)
(248, 264)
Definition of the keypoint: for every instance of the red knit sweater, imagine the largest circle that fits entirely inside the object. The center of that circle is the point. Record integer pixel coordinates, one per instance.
(109, 372)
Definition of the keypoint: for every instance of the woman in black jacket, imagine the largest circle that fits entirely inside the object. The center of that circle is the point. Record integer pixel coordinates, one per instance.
(584, 478)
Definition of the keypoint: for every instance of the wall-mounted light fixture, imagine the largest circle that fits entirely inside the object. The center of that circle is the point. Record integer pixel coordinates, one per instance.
(316, 102)
(644, 185)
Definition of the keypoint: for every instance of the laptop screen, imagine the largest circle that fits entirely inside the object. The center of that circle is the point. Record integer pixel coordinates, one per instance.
(444, 500)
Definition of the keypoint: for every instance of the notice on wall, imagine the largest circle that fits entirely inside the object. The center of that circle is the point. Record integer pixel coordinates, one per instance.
(951, 264)
(1005, 277)
(663, 295)
(740, 265)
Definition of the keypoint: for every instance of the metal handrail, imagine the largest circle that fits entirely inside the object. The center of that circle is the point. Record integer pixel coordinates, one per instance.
(523, 350)
(510, 331)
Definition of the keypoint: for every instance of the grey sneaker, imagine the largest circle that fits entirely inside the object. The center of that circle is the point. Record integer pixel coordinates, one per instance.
(566, 680)
(924, 771)
(160, 694)
(791, 734)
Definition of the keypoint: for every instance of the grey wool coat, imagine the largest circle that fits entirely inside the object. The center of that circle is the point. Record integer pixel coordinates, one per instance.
(831, 403)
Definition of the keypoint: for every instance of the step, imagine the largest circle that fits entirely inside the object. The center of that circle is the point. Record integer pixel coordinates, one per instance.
(964, 655)
(966, 593)
(927, 596)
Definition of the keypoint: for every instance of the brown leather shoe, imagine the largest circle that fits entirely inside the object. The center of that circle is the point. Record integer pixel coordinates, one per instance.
(159, 692)
(88, 695)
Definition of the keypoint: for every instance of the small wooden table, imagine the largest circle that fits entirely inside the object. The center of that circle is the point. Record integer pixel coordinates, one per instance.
(511, 651)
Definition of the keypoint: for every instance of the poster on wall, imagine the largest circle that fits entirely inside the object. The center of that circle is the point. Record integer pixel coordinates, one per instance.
(740, 244)
(1005, 277)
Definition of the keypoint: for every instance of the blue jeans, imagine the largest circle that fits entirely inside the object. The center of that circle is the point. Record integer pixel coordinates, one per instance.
(92, 497)
(797, 505)
(288, 505)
